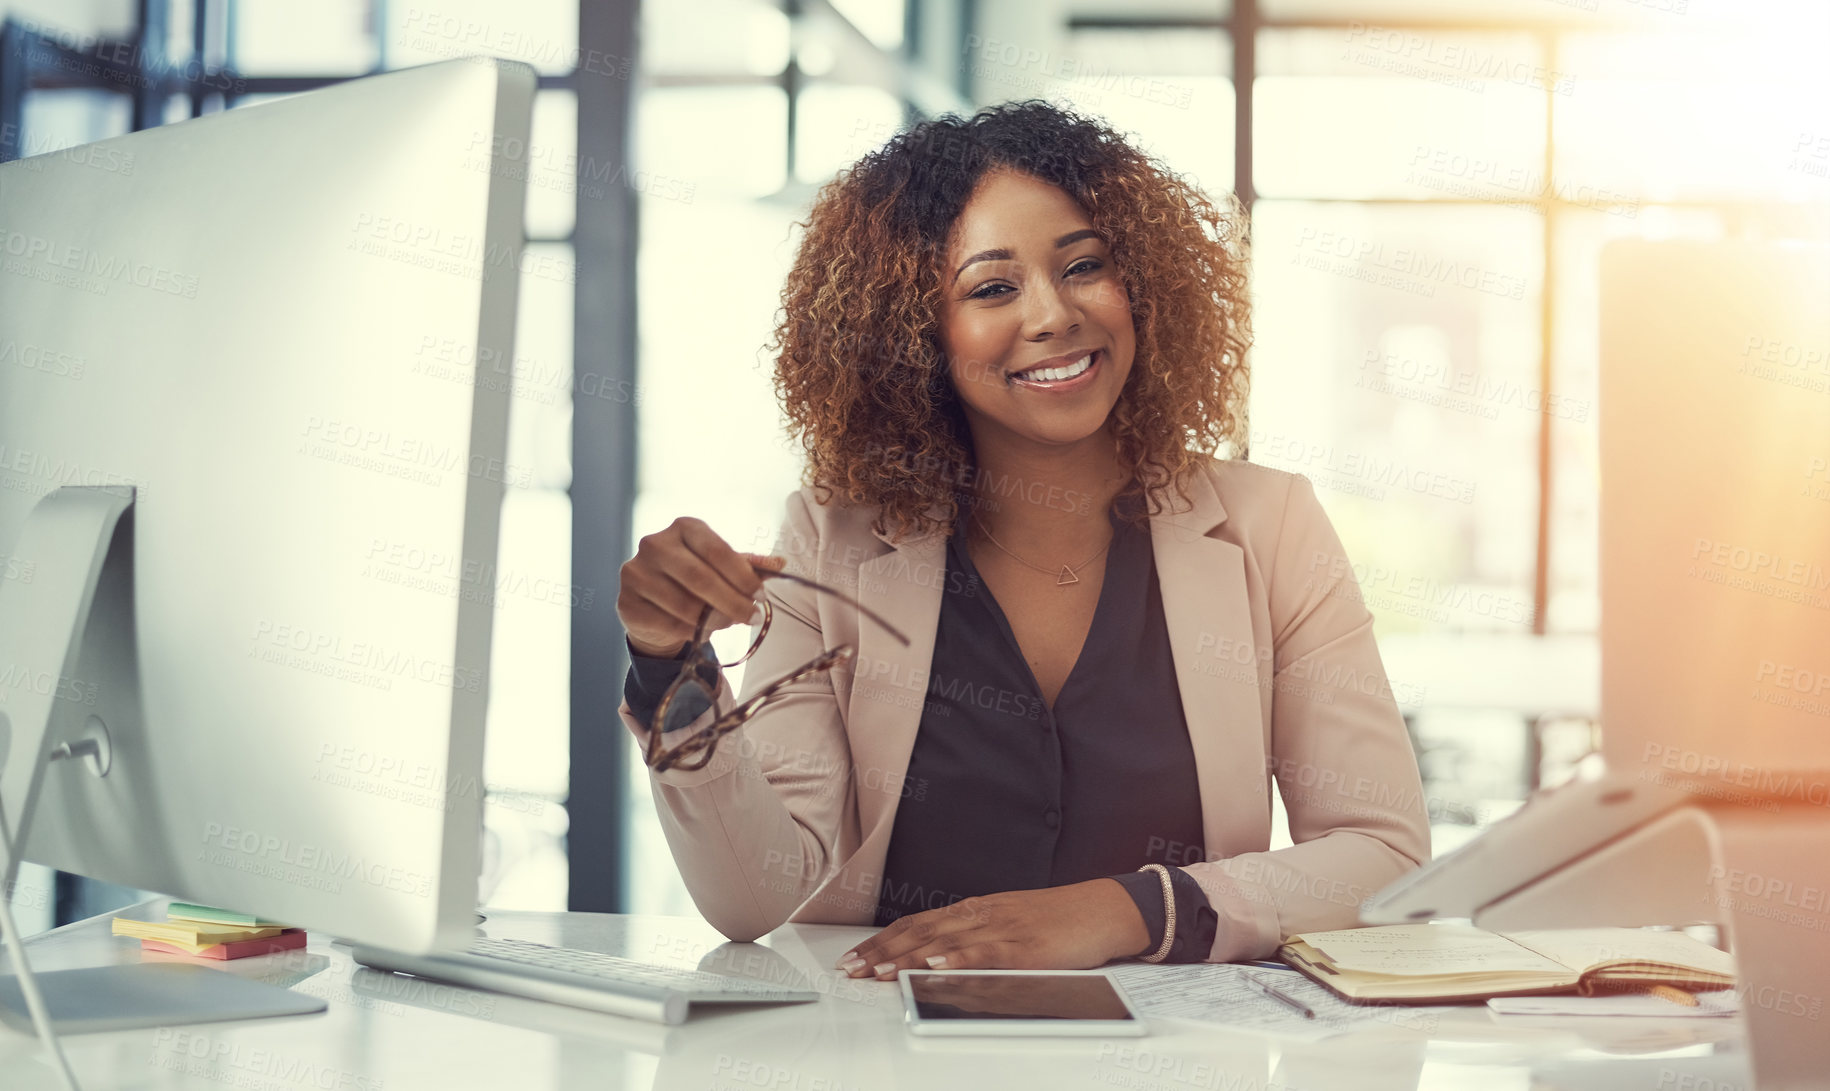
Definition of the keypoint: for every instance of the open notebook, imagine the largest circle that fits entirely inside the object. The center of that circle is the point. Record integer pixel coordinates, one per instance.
(1444, 963)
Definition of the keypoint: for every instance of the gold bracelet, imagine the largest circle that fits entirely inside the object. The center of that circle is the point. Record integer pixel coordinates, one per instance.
(1169, 914)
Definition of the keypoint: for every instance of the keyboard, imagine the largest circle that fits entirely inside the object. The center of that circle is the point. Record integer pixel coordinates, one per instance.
(584, 979)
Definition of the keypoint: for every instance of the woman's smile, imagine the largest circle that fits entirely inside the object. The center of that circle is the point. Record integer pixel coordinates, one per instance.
(1059, 374)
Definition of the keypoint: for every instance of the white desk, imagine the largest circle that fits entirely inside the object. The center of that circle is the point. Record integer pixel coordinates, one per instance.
(389, 1033)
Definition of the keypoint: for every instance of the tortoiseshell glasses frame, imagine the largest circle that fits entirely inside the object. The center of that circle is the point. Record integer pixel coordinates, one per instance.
(696, 671)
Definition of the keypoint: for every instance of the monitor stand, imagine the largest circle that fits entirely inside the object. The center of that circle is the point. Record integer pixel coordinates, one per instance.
(1760, 870)
(78, 543)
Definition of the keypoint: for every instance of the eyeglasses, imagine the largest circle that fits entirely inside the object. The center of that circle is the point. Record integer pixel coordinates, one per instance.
(699, 673)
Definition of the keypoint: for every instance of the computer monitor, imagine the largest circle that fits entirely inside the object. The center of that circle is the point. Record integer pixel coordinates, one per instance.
(1715, 571)
(1715, 643)
(225, 350)
(1715, 517)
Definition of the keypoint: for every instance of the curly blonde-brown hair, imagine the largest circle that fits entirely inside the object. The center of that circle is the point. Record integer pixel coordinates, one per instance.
(859, 369)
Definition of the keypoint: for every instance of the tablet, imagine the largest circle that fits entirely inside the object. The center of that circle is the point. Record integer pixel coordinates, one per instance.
(1018, 1002)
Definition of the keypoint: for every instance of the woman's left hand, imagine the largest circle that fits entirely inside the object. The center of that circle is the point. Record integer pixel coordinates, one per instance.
(1073, 927)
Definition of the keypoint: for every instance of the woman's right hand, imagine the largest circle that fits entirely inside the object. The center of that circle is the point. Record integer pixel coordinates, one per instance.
(675, 574)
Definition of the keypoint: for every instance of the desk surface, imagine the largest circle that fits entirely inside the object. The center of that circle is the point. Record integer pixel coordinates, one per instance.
(389, 1033)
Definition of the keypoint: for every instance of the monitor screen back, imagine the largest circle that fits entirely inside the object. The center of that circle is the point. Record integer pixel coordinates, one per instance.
(1715, 516)
(250, 318)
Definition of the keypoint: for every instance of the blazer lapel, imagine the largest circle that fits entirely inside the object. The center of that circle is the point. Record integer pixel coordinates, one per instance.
(890, 680)
(1222, 674)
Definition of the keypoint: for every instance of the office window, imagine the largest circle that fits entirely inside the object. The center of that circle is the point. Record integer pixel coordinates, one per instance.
(328, 37)
(1171, 90)
(180, 24)
(837, 124)
(706, 37)
(527, 757)
(543, 33)
(540, 375)
(554, 185)
(1695, 117)
(1431, 346)
(739, 146)
(1433, 343)
(879, 20)
(712, 444)
(54, 120)
(1494, 12)
(1338, 116)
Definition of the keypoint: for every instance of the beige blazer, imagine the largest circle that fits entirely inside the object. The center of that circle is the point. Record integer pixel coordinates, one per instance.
(1279, 676)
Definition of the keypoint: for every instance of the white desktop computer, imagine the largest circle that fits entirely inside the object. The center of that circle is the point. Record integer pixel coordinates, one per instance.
(210, 417)
(1715, 645)
(232, 420)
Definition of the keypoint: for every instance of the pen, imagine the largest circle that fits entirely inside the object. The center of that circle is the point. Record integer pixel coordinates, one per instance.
(1258, 984)
(1268, 964)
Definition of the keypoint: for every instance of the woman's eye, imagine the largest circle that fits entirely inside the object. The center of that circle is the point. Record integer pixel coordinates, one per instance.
(989, 291)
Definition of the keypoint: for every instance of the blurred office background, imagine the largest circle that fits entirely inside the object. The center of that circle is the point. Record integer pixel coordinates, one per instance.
(1429, 183)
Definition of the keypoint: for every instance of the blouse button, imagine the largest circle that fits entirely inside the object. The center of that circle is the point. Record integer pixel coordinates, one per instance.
(1052, 817)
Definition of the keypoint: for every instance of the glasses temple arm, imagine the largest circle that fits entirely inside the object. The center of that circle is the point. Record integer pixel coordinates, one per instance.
(767, 573)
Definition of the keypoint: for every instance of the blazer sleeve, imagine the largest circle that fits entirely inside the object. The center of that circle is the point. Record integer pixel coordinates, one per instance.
(755, 830)
(1338, 750)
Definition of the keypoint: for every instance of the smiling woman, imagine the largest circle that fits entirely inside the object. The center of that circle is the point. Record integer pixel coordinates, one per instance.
(1080, 644)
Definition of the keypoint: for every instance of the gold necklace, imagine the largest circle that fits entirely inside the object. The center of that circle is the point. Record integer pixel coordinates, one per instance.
(1064, 577)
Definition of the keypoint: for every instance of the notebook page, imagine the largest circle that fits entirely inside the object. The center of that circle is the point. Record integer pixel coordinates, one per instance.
(1416, 950)
(1717, 1003)
(1580, 948)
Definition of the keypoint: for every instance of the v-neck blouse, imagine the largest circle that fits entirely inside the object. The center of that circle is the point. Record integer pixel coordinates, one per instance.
(1010, 794)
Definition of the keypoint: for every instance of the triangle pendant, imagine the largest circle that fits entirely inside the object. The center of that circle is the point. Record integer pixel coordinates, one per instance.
(1067, 576)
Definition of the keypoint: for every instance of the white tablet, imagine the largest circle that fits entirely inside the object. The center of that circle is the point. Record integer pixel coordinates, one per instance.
(1018, 1003)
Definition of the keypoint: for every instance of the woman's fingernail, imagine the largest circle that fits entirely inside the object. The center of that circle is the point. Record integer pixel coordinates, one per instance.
(883, 968)
(935, 962)
(853, 966)
(756, 616)
(848, 956)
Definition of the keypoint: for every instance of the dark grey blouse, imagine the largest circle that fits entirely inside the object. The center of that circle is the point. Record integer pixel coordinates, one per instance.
(1100, 785)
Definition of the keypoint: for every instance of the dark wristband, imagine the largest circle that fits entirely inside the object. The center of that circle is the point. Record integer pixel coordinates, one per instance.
(647, 682)
(1196, 921)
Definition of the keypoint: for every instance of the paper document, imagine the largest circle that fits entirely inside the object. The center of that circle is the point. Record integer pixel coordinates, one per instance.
(1216, 992)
